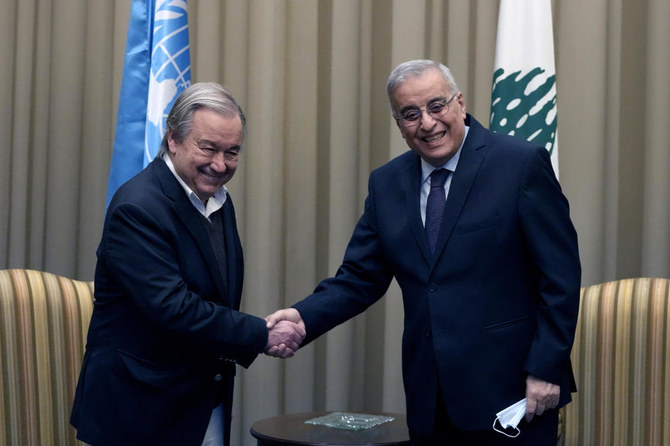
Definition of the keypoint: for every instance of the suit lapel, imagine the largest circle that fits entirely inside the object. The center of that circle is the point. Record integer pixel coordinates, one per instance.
(461, 183)
(189, 215)
(234, 262)
(412, 189)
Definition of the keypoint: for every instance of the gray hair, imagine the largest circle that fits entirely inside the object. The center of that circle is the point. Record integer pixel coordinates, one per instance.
(209, 95)
(416, 68)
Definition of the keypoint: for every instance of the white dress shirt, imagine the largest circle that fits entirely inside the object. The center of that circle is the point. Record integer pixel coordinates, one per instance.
(427, 169)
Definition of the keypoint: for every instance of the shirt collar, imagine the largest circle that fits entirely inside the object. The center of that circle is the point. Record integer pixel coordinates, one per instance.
(214, 203)
(427, 168)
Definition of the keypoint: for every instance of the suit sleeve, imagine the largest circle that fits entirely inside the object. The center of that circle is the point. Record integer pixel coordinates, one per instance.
(361, 280)
(140, 256)
(552, 242)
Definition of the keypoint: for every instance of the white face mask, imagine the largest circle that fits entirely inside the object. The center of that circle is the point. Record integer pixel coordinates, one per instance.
(510, 417)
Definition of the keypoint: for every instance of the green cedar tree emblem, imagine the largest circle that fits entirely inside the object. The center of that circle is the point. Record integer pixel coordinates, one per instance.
(515, 111)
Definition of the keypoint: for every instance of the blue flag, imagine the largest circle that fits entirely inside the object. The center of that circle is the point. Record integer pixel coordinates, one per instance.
(157, 67)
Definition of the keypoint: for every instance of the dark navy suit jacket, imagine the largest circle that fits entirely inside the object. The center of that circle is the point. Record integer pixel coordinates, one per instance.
(497, 301)
(165, 333)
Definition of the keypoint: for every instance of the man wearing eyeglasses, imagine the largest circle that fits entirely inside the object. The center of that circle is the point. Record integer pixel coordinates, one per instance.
(166, 331)
(475, 228)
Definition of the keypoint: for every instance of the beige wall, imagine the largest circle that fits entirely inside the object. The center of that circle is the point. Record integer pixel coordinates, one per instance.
(310, 76)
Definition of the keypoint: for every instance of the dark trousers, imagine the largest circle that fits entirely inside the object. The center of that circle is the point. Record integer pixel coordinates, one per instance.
(541, 431)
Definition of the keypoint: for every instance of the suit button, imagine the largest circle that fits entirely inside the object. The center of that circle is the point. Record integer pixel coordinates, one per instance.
(432, 287)
(429, 333)
(218, 377)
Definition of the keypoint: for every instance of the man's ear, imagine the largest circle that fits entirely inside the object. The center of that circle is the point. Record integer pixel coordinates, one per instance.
(461, 104)
(170, 141)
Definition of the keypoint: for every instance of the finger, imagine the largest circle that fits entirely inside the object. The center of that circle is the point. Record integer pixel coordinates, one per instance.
(298, 336)
(301, 332)
(271, 320)
(271, 351)
(277, 316)
(531, 405)
(280, 350)
(294, 332)
(296, 329)
(291, 345)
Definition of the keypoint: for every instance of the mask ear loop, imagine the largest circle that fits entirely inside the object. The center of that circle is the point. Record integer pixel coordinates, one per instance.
(518, 431)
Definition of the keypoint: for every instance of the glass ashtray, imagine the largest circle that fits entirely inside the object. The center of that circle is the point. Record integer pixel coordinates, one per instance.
(350, 421)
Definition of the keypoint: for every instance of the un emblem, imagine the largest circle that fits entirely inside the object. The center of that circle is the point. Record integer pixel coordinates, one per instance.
(170, 69)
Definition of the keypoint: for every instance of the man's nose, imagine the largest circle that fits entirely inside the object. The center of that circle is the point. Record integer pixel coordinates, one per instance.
(218, 162)
(426, 121)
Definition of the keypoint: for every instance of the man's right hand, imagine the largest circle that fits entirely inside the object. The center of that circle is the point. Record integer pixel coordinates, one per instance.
(286, 330)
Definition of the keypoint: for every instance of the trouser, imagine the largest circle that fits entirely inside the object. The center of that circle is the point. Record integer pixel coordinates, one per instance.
(215, 430)
(541, 431)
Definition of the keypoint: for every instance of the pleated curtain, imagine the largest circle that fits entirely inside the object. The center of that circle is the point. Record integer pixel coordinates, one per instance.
(311, 76)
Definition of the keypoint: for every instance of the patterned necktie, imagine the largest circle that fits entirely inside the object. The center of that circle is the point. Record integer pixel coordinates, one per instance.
(435, 206)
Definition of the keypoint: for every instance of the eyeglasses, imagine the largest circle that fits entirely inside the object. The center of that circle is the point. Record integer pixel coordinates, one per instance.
(410, 117)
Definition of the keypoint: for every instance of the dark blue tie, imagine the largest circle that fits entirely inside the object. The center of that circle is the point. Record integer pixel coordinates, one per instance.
(435, 206)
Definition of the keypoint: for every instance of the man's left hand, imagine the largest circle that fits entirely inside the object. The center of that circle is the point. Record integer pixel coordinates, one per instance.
(540, 396)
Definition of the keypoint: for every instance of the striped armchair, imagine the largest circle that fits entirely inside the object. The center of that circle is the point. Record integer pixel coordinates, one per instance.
(622, 366)
(43, 324)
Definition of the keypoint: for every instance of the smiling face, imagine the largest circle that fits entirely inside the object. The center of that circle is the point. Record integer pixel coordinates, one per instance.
(203, 160)
(436, 140)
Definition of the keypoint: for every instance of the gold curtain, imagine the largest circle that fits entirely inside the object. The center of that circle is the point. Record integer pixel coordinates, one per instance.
(311, 76)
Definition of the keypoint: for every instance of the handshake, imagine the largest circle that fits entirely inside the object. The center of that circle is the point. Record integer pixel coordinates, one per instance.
(286, 331)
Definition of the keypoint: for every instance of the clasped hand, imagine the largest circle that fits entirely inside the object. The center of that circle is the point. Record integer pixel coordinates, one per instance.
(286, 331)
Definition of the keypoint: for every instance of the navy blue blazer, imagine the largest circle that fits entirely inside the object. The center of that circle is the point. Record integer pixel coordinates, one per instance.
(497, 301)
(165, 333)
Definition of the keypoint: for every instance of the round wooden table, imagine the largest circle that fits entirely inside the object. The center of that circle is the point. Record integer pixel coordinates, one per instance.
(291, 429)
